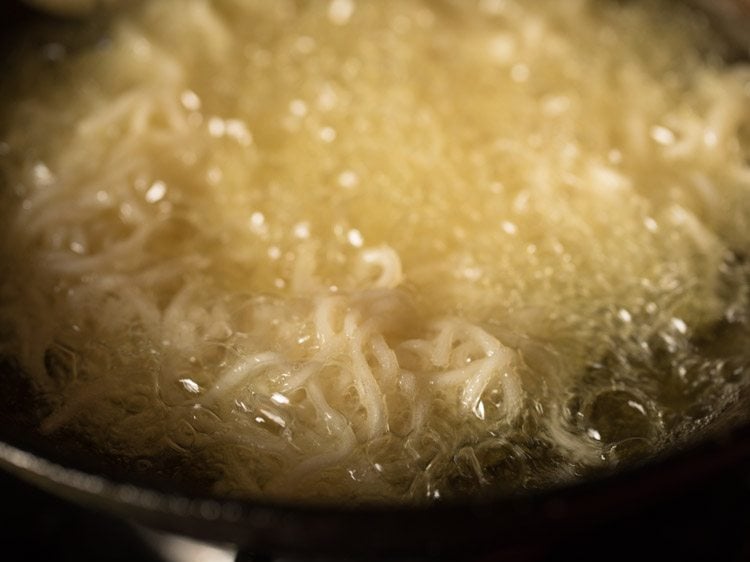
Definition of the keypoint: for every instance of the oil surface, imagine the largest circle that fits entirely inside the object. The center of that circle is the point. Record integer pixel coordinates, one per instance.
(378, 251)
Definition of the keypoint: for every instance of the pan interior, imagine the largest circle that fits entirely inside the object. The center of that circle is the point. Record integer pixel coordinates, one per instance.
(374, 252)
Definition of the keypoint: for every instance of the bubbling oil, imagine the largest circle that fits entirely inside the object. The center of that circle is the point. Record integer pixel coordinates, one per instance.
(378, 251)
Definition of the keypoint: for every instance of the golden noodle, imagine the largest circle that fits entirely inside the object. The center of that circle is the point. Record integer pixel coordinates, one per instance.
(377, 251)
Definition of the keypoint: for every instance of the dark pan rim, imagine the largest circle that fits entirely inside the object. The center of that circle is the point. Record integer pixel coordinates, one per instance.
(473, 525)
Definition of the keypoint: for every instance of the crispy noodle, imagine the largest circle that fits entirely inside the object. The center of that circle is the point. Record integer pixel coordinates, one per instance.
(398, 268)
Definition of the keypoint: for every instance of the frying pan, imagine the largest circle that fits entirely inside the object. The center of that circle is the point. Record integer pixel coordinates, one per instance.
(476, 527)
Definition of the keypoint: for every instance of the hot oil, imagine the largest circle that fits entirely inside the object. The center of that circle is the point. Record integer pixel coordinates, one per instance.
(392, 251)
